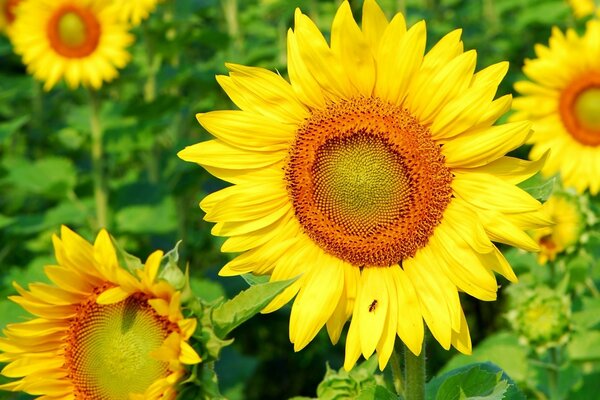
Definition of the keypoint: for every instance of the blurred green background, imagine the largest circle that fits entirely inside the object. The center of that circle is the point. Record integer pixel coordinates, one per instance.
(148, 116)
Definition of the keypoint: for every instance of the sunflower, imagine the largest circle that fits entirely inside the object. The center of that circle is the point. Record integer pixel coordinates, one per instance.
(563, 102)
(134, 11)
(583, 8)
(80, 40)
(100, 332)
(568, 226)
(375, 176)
(7, 13)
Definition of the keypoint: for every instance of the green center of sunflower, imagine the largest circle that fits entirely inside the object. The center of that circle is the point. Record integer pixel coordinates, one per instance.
(109, 347)
(73, 31)
(587, 109)
(358, 180)
(367, 182)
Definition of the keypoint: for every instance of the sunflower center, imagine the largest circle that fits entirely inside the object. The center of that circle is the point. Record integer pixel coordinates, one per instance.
(73, 31)
(367, 181)
(580, 108)
(587, 109)
(109, 346)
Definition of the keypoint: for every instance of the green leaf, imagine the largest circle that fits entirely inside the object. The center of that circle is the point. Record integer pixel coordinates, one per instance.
(5, 221)
(588, 317)
(502, 349)
(50, 176)
(474, 382)
(252, 279)
(158, 218)
(376, 393)
(538, 187)
(245, 305)
(584, 346)
(8, 128)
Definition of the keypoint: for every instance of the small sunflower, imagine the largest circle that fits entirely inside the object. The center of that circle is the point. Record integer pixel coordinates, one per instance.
(80, 40)
(562, 99)
(568, 226)
(100, 332)
(134, 11)
(376, 176)
(583, 8)
(7, 13)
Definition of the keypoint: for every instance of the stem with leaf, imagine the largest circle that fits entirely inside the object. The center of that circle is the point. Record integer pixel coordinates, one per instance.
(100, 191)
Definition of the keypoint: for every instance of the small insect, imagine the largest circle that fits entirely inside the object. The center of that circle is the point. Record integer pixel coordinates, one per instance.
(373, 306)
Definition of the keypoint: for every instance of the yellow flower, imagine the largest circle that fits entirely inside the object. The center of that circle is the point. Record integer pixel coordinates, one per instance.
(134, 11)
(100, 332)
(376, 176)
(583, 8)
(7, 13)
(80, 40)
(568, 225)
(563, 101)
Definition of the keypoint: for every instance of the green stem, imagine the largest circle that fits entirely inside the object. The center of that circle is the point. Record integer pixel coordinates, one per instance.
(396, 368)
(414, 369)
(100, 192)
(553, 371)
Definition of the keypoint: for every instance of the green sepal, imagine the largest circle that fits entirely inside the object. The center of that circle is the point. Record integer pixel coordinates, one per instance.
(128, 261)
(245, 305)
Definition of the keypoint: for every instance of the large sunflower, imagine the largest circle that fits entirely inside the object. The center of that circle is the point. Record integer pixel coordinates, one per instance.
(7, 13)
(80, 40)
(375, 176)
(563, 101)
(100, 332)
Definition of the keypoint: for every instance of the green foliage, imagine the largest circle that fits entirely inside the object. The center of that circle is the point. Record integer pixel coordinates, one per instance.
(483, 381)
(245, 305)
(360, 383)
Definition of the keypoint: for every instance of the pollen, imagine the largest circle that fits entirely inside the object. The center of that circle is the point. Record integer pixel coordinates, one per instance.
(580, 108)
(367, 181)
(108, 353)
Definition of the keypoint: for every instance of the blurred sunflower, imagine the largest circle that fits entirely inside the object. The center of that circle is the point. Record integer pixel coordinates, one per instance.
(583, 8)
(568, 220)
(101, 333)
(563, 102)
(7, 13)
(80, 40)
(134, 11)
(376, 176)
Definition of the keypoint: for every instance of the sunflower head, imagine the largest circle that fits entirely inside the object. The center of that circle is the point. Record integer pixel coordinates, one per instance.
(81, 41)
(542, 316)
(562, 99)
(376, 175)
(100, 332)
(568, 226)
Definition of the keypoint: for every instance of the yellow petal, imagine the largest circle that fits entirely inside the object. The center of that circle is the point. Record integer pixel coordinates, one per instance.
(316, 300)
(351, 47)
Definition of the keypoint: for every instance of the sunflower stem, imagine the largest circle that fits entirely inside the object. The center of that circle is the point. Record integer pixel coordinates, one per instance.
(553, 374)
(100, 192)
(414, 375)
(396, 368)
